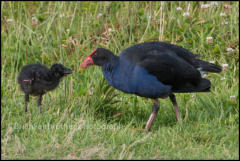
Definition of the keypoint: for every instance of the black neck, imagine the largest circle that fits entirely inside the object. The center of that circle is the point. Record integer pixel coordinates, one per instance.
(111, 64)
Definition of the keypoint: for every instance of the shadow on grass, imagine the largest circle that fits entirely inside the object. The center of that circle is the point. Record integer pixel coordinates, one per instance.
(104, 106)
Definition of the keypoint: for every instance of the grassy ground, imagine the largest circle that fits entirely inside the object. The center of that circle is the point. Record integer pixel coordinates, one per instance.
(84, 118)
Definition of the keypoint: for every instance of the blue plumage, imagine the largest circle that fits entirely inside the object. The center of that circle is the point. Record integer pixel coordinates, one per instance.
(134, 79)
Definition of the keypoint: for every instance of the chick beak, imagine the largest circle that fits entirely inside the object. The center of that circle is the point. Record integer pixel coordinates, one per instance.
(67, 71)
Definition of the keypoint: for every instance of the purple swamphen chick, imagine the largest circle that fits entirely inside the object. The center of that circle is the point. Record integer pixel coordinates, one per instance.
(36, 79)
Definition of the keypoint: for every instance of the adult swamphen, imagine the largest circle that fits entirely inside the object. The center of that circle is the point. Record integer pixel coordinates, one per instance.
(153, 70)
(36, 79)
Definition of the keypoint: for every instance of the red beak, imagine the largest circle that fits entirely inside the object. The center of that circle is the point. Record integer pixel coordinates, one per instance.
(88, 61)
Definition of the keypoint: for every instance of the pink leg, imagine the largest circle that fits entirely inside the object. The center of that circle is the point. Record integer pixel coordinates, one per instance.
(155, 109)
(174, 102)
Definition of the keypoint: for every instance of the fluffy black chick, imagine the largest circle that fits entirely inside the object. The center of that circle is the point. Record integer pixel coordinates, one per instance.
(36, 79)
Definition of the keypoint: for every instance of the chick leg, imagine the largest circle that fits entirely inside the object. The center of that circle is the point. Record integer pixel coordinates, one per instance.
(39, 103)
(174, 102)
(155, 109)
(26, 101)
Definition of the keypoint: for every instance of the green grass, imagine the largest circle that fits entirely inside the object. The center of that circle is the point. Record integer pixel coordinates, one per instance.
(84, 118)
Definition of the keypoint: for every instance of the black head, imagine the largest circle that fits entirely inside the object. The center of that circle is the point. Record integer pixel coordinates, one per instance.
(60, 70)
(99, 56)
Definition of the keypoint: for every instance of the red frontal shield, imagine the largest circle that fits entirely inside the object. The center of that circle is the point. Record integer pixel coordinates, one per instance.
(88, 61)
